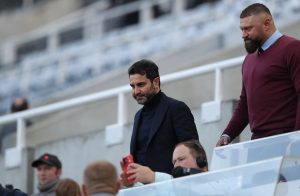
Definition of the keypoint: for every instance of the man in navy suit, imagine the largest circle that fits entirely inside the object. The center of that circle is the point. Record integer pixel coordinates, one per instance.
(161, 123)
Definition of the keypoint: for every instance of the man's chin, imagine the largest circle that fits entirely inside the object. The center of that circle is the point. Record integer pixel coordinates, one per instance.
(250, 46)
(141, 101)
(43, 182)
(250, 50)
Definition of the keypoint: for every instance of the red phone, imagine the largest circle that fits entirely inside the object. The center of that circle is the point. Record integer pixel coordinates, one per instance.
(126, 161)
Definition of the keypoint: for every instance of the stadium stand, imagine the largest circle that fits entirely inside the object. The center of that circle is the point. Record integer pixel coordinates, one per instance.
(77, 53)
(36, 53)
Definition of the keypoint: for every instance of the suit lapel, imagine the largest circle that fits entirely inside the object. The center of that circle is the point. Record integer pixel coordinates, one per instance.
(158, 117)
(135, 130)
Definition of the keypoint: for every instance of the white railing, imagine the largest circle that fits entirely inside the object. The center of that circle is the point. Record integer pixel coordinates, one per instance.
(48, 73)
(119, 92)
(95, 55)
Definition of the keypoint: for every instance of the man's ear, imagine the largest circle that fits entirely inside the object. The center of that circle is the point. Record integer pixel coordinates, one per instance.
(58, 172)
(267, 23)
(156, 82)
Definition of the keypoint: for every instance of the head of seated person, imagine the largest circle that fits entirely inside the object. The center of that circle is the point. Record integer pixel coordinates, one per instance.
(100, 177)
(189, 157)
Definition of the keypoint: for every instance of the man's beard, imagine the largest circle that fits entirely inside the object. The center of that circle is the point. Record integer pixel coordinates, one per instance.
(147, 97)
(251, 45)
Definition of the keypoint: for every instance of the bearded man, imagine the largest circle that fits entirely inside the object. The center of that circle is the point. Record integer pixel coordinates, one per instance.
(161, 123)
(269, 100)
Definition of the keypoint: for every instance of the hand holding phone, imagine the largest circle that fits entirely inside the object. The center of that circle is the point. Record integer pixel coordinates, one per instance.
(126, 161)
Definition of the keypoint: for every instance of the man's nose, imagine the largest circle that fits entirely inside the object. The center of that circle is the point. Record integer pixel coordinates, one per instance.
(244, 34)
(137, 91)
(176, 164)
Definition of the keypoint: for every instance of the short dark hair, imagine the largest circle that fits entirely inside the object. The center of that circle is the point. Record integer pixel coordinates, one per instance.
(254, 9)
(196, 149)
(144, 67)
(21, 106)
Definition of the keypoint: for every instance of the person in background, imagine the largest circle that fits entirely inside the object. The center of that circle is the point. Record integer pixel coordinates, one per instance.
(270, 96)
(49, 169)
(9, 190)
(20, 104)
(6, 130)
(100, 179)
(68, 187)
(189, 157)
(161, 123)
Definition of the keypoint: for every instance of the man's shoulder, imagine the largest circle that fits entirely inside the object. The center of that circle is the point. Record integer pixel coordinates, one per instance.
(17, 192)
(171, 100)
(175, 104)
(14, 192)
(11, 192)
(289, 38)
(288, 41)
(102, 194)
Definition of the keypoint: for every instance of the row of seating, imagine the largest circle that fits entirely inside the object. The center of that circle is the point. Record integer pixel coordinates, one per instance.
(44, 74)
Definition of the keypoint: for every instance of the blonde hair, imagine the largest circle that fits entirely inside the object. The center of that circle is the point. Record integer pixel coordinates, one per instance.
(68, 187)
(101, 176)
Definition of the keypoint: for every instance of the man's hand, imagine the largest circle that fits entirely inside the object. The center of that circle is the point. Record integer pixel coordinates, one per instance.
(224, 140)
(124, 180)
(141, 173)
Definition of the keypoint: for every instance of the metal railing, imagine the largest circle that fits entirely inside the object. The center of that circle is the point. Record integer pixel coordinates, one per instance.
(119, 92)
(57, 68)
(63, 67)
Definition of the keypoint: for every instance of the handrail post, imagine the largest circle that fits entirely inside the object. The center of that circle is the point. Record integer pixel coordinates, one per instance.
(211, 111)
(21, 137)
(121, 109)
(218, 85)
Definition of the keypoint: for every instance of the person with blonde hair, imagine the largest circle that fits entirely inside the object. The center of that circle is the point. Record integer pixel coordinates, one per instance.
(68, 187)
(100, 179)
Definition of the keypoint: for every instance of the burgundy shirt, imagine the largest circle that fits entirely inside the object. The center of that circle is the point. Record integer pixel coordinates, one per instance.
(269, 99)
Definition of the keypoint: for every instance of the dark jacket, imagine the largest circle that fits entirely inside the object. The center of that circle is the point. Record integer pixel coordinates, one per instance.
(11, 192)
(173, 122)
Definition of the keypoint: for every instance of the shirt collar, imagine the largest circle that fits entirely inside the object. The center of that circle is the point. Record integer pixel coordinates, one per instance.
(153, 102)
(271, 40)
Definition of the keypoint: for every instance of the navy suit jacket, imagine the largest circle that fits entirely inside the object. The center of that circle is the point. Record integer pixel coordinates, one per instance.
(173, 123)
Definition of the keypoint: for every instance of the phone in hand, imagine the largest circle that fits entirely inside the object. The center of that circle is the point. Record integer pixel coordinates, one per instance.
(126, 161)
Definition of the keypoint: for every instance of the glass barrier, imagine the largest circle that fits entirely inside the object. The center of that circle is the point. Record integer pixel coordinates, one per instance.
(256, 150)
(259, 178)
(289, 178)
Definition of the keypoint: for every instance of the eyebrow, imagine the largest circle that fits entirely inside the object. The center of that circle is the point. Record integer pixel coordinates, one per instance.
(180, 157)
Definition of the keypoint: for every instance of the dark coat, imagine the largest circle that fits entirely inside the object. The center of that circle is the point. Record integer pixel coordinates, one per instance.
(11, 192)
(173, 123)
